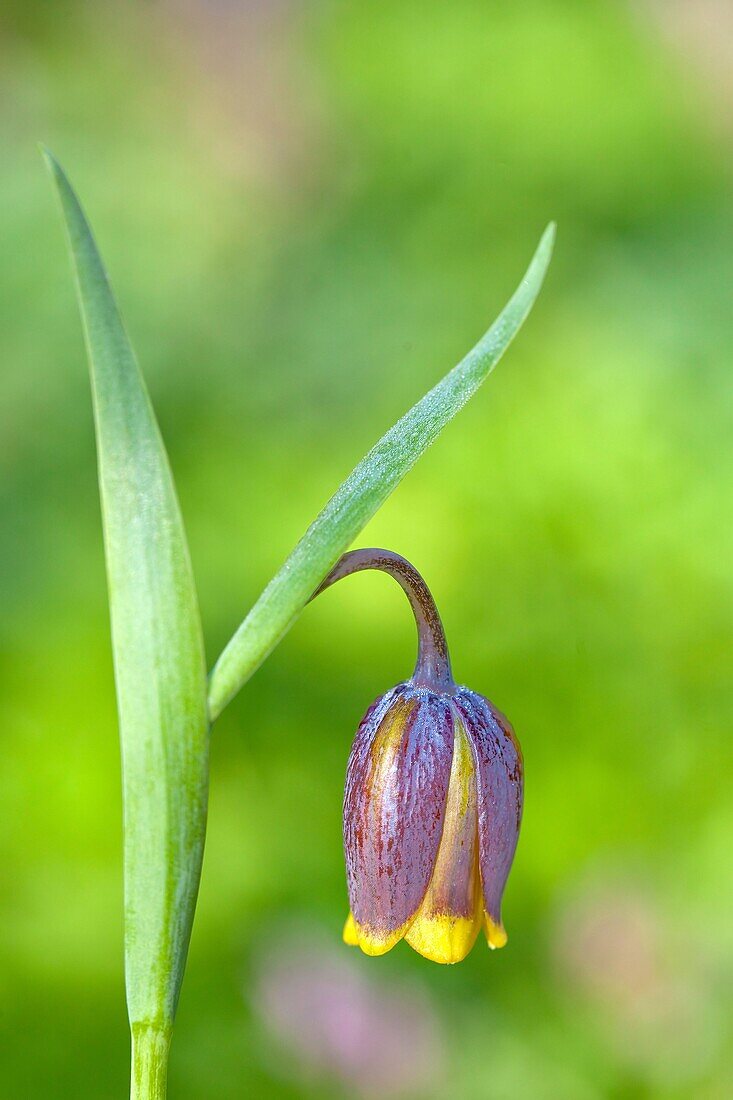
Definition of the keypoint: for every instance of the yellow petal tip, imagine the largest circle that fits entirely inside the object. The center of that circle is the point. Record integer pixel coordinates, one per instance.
(442, 937)
(357, 935)
(350, 935)
(495, 933)
(376, 945)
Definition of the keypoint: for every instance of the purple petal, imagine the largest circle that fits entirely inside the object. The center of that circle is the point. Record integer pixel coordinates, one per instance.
(500, 782)
(394, 806)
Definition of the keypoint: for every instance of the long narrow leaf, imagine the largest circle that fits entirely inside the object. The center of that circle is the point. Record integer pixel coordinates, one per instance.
(364, 491)
(158, 653)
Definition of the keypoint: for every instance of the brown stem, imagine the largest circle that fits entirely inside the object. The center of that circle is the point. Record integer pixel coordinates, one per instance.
(432, 669)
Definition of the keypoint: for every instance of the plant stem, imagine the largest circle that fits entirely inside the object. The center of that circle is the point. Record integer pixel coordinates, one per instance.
(149, 1075)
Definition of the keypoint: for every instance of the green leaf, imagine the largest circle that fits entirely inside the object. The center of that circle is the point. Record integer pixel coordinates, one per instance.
(364, 491)
(158, 652)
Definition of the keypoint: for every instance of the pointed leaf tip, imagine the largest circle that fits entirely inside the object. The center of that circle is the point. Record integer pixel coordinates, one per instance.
(365, 490)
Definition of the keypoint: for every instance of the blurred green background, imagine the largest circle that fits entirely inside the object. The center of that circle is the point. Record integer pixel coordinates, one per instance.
(310, 212)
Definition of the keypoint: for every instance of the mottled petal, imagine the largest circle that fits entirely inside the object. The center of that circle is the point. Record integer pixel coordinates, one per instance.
(396, 789)
(500, 789)
(451, 913)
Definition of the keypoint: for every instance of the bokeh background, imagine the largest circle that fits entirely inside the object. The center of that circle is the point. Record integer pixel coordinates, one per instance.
(310, 211)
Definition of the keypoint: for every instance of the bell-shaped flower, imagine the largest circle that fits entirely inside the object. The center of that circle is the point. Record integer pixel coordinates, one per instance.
(433, 800)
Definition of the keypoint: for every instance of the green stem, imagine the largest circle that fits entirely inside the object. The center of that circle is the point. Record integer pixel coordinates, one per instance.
(150, 1046)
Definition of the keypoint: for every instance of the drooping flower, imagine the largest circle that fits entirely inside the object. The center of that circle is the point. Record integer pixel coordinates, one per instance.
(433, 800)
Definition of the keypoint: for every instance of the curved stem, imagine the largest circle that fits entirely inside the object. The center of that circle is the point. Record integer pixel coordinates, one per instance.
(432, 669)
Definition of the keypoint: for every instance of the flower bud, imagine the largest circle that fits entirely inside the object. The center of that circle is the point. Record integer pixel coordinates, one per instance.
(433, 801)
(431, 819)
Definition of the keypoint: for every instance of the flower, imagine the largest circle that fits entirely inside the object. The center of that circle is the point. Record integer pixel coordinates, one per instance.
(433, 801)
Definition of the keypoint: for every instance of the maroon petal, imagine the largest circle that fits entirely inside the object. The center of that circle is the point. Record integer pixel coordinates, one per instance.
(394, 806)
(499, 770)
